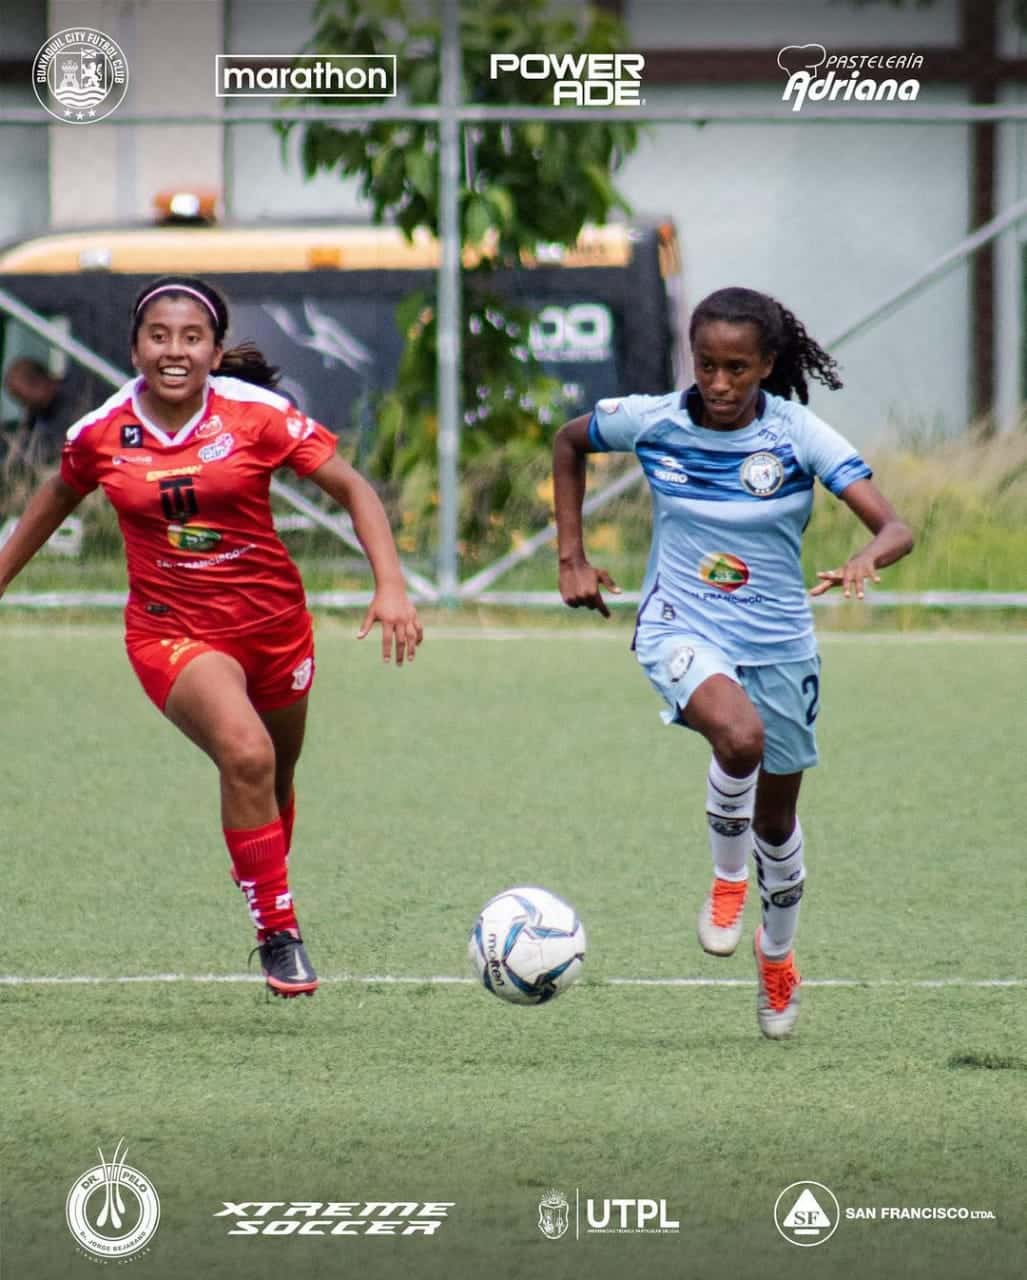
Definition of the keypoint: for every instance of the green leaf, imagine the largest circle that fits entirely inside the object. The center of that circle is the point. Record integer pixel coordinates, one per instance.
(477, 219)
(421, 172)
(502, 203)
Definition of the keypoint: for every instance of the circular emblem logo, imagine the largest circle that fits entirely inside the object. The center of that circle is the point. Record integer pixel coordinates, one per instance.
(112, 1210)
(80, 75)
(762, 474)
(807, 1214)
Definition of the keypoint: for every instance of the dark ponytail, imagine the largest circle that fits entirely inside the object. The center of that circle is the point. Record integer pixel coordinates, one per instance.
(246, 362)
(243, 361)
(796, 355)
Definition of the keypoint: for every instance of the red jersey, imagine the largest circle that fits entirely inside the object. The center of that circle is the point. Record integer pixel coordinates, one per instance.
(203, 556)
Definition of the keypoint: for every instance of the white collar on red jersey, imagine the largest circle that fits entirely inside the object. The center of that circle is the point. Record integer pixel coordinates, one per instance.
(184, 432)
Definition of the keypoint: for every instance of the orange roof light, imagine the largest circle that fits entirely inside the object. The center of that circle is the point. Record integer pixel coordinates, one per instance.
(197, 205)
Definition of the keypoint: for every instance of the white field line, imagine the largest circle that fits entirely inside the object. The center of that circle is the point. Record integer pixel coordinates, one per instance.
(617, 634)
(443, 980)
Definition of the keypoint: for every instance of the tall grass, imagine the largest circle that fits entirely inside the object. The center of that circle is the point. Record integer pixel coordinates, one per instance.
(965, 499)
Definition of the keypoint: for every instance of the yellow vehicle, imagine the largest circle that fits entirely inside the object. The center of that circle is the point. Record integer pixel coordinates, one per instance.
(320, 300)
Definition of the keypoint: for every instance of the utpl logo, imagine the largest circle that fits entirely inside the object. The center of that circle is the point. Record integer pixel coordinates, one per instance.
(612, 1215)
(628, 1217)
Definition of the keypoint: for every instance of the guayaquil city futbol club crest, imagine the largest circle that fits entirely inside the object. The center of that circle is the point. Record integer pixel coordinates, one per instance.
(80, 75)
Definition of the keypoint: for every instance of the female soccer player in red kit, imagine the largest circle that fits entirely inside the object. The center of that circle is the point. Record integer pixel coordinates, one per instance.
(217, 628)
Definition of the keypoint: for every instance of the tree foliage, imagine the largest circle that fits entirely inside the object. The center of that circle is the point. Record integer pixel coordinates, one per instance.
(521, 185)
(527, 183)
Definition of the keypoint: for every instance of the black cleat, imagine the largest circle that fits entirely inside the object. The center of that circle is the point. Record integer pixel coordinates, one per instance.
(286, 965)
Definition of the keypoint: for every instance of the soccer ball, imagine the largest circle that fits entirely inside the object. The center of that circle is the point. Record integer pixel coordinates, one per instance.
(527, 945)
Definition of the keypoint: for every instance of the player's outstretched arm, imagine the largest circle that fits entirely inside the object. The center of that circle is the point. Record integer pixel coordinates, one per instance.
(390, 605)
(892, 540)
(579, 581)
(47, 510)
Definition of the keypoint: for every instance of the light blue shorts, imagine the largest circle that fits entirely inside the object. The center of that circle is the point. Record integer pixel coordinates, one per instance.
(787, 696)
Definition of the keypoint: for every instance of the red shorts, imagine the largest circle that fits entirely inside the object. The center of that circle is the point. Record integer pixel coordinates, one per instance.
(279, 663)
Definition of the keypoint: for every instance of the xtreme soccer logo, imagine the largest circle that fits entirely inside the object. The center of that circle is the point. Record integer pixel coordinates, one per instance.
(334, 1218)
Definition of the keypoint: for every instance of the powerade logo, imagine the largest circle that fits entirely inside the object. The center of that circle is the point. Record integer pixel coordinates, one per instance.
(724, 571)
(815, 75)
(579, 79)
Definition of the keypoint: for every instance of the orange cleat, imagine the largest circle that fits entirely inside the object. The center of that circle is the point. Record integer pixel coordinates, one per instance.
(777, 998)
(720, 920)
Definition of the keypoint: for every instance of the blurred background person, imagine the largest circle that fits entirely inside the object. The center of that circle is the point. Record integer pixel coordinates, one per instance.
(35, 439)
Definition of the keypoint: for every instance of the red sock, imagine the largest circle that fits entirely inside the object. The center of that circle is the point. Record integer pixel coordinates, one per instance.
(288, 815)
(258, 860)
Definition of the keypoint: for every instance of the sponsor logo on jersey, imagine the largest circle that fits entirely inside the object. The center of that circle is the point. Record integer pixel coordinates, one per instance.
(303, 674)
(174, 471)
(193, 537)
(680, 661)
(210, 428)
(221, 448)
(299, 428)
(179, 648)
(131, 435)
(729, 827)
(670, 470)
(762, 474)
(723, 571)
(141, 460)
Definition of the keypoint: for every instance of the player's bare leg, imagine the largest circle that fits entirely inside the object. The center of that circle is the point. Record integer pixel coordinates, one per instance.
(287, 727)
(781, 873)
(721, 711)
(209, 704)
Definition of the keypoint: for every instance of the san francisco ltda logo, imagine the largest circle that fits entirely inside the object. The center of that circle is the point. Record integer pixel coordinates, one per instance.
(112, 1209)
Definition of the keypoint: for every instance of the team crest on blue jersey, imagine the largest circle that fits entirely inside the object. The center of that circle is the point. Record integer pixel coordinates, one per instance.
(762, 474)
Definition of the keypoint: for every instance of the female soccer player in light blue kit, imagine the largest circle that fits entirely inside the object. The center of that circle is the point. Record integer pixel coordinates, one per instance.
(724, 630)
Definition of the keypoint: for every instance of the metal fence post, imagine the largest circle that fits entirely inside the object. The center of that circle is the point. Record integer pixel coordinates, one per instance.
(449, 303)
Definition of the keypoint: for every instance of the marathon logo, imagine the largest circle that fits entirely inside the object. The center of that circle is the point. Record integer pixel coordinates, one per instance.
(305, 75)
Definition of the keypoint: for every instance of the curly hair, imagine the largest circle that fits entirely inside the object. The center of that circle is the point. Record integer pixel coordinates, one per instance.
(796, 355)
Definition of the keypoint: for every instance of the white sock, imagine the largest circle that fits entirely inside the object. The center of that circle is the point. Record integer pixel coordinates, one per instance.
(781, 874)
(729, 806)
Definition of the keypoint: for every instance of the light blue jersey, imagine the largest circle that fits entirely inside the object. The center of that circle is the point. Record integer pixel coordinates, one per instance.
(729, 510)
